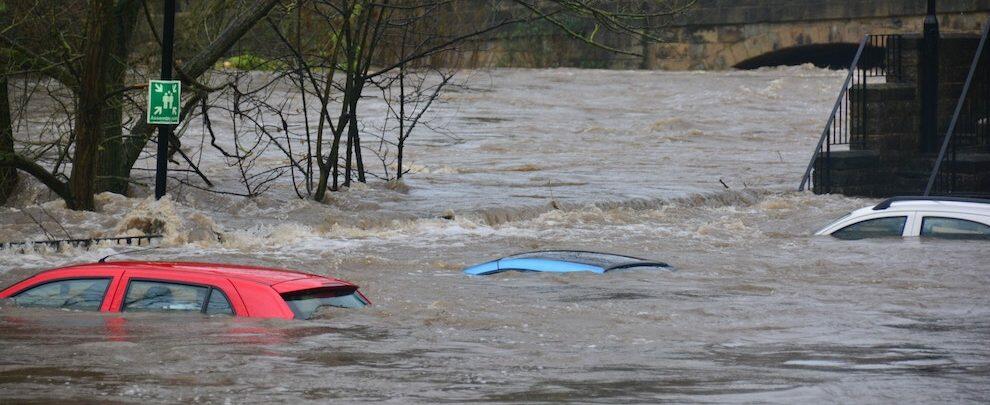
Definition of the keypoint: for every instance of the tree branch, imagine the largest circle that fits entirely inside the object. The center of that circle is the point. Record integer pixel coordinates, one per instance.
(11, 159)
(40, 64)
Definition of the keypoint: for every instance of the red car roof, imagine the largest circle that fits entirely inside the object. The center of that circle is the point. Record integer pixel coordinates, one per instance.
(264, 275)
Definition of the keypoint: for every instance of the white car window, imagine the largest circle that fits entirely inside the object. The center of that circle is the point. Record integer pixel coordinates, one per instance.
(953, 228)
(873, 228)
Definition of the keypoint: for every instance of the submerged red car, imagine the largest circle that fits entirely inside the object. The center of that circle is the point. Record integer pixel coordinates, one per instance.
(213, 289)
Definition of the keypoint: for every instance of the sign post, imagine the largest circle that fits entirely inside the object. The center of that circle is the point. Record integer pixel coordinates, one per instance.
(164, 104)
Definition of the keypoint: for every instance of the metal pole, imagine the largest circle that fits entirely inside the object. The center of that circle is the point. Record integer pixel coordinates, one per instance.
(164, 130)
(929, 81)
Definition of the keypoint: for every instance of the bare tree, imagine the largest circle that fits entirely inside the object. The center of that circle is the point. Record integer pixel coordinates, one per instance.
(400, 37)
(333, 51)
(409, 94)
(41, 43)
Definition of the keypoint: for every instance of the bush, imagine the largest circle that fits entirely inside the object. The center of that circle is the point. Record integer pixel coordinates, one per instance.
(252, 62)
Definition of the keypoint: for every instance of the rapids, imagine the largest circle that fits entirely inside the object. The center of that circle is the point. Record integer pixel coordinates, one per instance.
(621, 161)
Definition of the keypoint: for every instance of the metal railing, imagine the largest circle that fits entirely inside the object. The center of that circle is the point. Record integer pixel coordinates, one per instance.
(968, 129)
(57, 243)
(877, 60)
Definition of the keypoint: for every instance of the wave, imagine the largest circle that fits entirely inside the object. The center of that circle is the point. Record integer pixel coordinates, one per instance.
(713, 215)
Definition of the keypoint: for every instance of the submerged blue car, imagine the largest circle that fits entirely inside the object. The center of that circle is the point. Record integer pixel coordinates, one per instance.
(563, 261)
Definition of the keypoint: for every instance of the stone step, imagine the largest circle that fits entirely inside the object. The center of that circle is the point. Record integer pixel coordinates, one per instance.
(887, 110)
(884, 179)
(887, 91)
(953, 48)
(904, 91)
(885, 141)
(973, 162)
(851, 159)
(909, 142)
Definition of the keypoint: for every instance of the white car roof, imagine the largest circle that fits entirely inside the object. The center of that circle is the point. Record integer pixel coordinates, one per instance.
(906, 205)
(970, 206)
(947, 206)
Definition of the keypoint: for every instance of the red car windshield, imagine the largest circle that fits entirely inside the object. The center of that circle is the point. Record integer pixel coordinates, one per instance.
(305, 303)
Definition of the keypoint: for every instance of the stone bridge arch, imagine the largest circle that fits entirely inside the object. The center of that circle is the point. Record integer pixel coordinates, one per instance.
(835, 55)
(761, 44)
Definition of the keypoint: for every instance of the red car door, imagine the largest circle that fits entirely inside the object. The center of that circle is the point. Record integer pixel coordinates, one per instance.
(72, 273)
(177, 278)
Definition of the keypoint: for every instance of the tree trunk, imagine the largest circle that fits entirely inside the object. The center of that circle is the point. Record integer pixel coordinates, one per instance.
(402, 118)
(402, 110)
(8, 175)
(649, 58)
(356, 140)
(349, 157)
(334, 158)
(92, 104)
(112, 163)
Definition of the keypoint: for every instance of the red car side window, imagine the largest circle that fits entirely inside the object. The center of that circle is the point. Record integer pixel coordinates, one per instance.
(218, 304)
(163, 296)
(81, 293)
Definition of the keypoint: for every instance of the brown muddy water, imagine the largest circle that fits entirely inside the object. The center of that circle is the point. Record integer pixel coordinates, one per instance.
(757, 310)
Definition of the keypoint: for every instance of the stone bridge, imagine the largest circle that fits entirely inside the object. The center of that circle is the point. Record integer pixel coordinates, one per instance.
(721, 34)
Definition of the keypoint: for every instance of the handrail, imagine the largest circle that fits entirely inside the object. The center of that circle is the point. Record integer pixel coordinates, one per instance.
(835, 108)
(959, 106)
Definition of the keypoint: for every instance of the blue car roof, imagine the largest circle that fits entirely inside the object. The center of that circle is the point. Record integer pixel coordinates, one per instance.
(562, 261)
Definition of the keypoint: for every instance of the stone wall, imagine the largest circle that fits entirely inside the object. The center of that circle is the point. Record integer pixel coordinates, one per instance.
(738, 12)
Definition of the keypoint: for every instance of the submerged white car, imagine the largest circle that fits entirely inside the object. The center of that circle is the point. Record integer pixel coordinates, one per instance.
(939, 217)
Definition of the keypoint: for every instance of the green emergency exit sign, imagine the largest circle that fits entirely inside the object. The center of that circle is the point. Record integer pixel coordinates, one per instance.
(163, 101)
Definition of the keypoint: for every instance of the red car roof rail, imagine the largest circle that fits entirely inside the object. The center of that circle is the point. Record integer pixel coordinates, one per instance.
(104, 258)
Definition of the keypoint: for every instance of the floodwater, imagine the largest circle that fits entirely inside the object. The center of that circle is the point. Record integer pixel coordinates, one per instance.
(628, 162)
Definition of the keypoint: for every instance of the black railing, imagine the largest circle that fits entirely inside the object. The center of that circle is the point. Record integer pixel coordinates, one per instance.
(57, 243)
(877, 60)
(967, 132)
